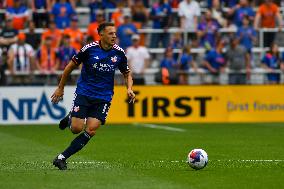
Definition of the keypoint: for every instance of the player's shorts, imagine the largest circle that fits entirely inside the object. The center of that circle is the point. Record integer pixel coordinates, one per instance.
(84, 107)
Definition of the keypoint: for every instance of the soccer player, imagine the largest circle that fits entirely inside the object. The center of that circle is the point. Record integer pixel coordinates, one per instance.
(94, 89)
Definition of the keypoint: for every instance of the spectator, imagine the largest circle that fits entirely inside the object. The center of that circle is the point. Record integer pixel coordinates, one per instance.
(246, 34)
(271, 63)
(238, 59)
(240, 10)
(117, 15)
(8, 35)
(95, 5)
(40, 9)
(174, 3)
(161, 14)
(189, 11)
(19, 13)
(8, 3)
(217, 13)
(2, 69)
(125, 32)
(92, 28)
(229, 3)
(64, 53)
(186, 63)
(110, 4)
(139, 13)
(177, 43)
(267, 14)
(76, 36)
(33, 38)
(169, 68)
(53, 33)
(46, 57)
(214, 62)
(20, 56)
(138, 59)
(208, 30)
(62, 12)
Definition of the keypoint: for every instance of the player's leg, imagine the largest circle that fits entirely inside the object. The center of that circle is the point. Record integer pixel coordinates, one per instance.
(76, 145)
(66, 121)
(79, 113)
(93, 124)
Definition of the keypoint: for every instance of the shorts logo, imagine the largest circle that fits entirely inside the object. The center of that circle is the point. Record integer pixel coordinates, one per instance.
(114, 59)
(76, 109)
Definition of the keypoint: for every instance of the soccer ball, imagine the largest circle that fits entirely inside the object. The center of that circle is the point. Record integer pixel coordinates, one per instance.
(197, 159)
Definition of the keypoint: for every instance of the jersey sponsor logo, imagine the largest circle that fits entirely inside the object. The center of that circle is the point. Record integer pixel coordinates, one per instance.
(103, 67)
(96, 57)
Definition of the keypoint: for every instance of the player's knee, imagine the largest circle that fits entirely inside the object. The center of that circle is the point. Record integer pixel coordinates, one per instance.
(75, 129)
(92, 131)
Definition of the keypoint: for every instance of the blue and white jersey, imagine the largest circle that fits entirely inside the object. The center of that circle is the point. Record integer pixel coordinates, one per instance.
(97, 75)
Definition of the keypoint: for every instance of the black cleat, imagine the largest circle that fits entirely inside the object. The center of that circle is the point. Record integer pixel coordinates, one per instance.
(64, 122)
(60, 163)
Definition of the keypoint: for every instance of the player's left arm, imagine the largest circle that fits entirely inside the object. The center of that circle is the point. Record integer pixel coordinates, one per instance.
(124, 69)
(129, 83)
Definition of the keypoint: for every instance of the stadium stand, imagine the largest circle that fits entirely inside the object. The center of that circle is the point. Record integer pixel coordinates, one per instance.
(219, 20)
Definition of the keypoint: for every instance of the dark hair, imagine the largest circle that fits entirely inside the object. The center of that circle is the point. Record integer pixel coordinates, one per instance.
(102, 26)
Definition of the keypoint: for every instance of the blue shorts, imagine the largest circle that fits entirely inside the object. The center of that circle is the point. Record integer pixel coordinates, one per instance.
(84, 107)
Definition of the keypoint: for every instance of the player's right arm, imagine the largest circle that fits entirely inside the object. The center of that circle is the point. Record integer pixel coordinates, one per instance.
(59, 92)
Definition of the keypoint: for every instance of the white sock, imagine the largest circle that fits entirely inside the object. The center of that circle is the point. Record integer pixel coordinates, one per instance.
(60, 156)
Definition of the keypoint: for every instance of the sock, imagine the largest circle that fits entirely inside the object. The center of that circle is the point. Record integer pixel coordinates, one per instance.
(68, 116)
(76, 145)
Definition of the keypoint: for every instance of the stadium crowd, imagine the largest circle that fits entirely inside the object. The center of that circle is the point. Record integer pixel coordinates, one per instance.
(25, 51)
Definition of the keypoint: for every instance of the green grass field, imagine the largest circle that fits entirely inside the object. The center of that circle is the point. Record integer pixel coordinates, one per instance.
(134, 157)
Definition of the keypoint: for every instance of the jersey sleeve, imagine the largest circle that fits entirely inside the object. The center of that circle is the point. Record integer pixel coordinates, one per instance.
(79, 57)
(123, 66)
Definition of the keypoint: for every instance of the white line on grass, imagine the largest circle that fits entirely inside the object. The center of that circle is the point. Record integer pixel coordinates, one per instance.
(253, 160)
(163, 127)
(184, 161)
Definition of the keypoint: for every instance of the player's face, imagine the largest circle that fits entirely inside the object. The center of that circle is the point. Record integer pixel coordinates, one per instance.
(108, 36)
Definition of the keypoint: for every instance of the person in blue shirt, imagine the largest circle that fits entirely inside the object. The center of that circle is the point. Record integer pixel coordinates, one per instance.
(64, 53)
(94, 90)
(62, 12)
(161, 15)
(246, 34)
(125, 32)
(214, 61)
(169, 67)
(186, 62)
(271, 63)
(240, 10)
(208, 30)
(95, 5)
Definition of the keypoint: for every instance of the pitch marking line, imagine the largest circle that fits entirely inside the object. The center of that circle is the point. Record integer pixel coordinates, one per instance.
(162, 127)
(254, 160)
(184, 161)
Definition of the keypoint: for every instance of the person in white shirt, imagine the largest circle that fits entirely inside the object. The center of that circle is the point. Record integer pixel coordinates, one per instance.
(189, 11)
(20, 57)
(138, 59)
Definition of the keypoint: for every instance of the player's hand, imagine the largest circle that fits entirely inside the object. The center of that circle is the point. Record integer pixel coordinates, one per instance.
(131, 95)
(57, 95)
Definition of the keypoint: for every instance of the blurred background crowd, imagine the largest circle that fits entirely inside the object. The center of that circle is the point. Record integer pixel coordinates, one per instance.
(166, 41)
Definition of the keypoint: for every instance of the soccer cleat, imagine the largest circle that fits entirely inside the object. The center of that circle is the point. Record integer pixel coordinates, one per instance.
(64, 122)
(60, 163)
